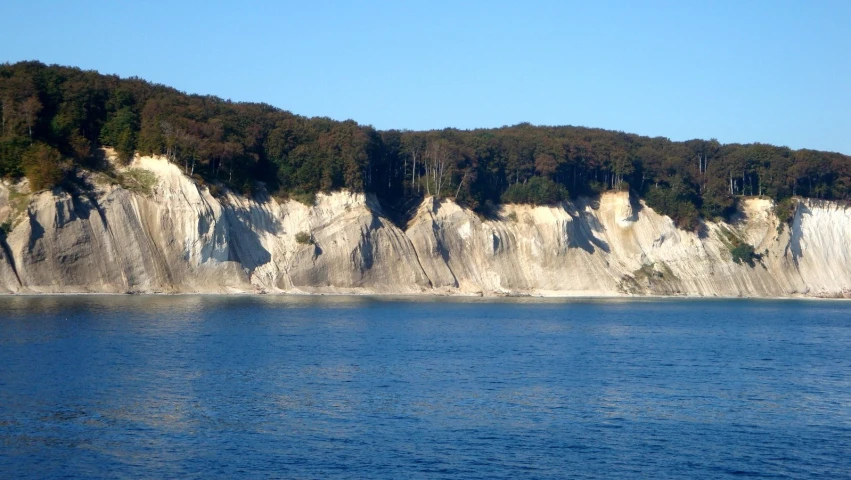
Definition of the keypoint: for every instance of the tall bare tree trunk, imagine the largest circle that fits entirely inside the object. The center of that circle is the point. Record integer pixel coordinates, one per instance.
(414, 183)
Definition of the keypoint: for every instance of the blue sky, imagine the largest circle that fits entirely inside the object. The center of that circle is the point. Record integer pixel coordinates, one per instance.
(740, 71)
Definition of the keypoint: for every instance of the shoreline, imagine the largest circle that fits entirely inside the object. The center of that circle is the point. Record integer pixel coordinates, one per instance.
(421, 296)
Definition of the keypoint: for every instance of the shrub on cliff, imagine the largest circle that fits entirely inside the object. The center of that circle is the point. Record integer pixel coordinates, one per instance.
(741, 251)
(744, 253)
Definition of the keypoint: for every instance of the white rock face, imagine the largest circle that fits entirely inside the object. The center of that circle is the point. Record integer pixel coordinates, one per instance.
(181, 239)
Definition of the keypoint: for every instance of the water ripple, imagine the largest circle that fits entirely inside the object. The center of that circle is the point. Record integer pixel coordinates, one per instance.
(358, 387)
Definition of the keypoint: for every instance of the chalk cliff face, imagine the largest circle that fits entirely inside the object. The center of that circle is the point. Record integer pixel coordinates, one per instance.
(179, 238)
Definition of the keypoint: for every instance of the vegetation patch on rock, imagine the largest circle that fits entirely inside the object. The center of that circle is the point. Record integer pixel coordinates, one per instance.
(784, 210)
(303, 238)
(740, 251)
(137, 180)
(650, 278)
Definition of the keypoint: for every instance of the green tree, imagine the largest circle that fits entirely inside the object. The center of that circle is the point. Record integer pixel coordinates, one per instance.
(119, 132)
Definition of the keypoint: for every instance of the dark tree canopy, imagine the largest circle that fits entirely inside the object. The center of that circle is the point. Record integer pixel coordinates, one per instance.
(53, 119)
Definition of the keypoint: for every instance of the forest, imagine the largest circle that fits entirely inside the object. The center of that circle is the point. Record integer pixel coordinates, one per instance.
(54, 119)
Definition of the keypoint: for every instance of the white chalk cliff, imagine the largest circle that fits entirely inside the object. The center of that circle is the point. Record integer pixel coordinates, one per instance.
(178, 238)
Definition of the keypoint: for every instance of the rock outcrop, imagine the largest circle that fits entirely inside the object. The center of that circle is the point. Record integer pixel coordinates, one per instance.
(176, 237)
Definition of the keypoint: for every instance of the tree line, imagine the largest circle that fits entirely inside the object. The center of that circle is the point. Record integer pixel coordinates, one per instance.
(54, 119)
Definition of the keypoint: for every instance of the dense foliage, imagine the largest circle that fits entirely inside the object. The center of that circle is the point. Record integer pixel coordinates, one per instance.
(54, 119)
(537, 191)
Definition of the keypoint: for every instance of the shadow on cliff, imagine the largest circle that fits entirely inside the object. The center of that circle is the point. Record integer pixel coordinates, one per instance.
(244, 244)
(581, 231)
(36, 232)
(6, 255)
(399, 212)
(796, 232)
(258, 217)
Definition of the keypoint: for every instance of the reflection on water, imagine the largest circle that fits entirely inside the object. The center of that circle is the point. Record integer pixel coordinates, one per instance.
(390, 387)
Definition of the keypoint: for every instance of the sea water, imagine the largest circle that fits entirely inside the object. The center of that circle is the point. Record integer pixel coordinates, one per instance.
(360, 387)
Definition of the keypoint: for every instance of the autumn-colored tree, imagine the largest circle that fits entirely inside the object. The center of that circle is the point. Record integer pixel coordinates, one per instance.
(52, 117)
(43, 167)
(545, 164)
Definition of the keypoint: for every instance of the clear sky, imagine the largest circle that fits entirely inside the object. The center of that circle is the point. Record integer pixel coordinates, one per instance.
(740, 71)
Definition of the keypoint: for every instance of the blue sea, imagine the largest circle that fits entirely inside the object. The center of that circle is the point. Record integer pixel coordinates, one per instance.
(361, 387)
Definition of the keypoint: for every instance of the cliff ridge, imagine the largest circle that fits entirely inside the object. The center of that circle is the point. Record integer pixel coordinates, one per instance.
(174, 236)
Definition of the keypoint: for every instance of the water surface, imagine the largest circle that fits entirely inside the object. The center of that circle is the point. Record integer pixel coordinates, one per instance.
(355, 387)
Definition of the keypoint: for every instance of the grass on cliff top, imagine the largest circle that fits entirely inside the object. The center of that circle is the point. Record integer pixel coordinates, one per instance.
(137, 180)
(19, 201)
